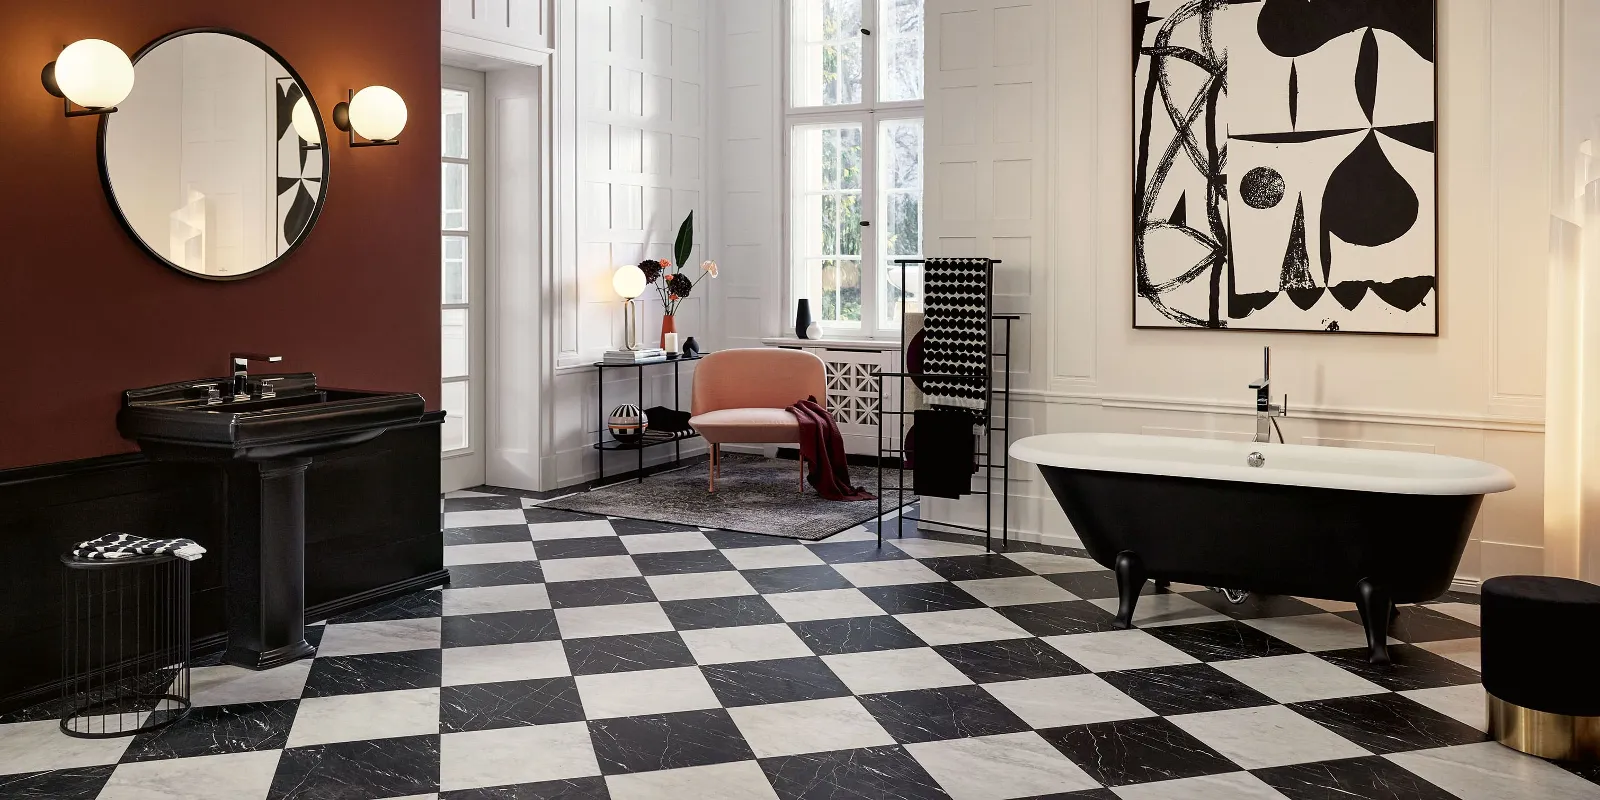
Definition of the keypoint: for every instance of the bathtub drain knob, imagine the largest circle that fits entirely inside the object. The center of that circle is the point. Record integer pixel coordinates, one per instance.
(1256, 460)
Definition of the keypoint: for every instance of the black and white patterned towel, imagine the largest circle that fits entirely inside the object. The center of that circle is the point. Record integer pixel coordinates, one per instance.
(956, 332)
(126, 545)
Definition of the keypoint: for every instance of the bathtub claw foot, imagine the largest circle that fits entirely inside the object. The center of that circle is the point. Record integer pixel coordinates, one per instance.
(1376, 610)
(1130, 582)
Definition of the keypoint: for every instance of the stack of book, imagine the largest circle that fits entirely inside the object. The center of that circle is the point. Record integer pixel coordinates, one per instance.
(634, 356)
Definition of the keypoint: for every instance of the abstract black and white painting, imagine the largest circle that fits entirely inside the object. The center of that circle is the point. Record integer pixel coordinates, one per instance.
(1284, 165)
(299, 170)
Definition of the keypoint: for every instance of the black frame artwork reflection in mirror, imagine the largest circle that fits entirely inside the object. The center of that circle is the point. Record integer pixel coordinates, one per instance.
(310, 219)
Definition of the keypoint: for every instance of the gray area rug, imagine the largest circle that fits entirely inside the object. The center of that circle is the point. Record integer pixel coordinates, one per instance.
(754, 495)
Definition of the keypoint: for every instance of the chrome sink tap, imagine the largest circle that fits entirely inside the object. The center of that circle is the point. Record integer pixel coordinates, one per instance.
(1264, 406)
(239, 363)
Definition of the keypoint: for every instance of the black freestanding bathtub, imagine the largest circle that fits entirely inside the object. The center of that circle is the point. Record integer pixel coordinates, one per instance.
(1371, 527)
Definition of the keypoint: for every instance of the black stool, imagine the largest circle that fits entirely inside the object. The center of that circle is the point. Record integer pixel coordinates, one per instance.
(124, 644)
(1539, 665)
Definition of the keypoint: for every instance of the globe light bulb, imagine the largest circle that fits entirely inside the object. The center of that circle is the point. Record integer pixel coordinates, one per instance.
(305, 121)
(628, 281)
(94, 73)
(377, 113)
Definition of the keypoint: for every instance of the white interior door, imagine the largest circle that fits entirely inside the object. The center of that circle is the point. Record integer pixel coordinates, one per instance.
(463, 274)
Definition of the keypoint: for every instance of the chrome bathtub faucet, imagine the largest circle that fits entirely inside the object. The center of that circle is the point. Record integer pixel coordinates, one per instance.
(1264, 407)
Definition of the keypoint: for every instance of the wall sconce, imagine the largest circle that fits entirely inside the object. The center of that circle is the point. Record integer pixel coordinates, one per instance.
(630, 283)
(304, 121)
(93, 73)
(376, 113)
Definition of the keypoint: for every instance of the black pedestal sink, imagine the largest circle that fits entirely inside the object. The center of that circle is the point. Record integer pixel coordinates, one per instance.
(264, 445)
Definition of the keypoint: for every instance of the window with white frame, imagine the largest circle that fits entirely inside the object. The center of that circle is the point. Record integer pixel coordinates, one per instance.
(855, 161)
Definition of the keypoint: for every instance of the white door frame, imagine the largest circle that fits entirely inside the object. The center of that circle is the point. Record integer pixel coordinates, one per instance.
(463, 468)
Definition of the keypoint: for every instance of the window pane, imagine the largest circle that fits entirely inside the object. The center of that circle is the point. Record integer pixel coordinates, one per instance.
(827, 47)
(455, 197)
(900, 179)
(900, 50)
(453, 103)
(454, 402)
(455, 270)
(828, 210)
(453, 353)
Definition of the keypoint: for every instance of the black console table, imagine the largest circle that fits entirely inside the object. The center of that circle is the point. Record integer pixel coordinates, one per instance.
(651, 438)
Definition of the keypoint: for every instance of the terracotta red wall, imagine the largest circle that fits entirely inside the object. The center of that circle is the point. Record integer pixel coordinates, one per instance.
(84, 314)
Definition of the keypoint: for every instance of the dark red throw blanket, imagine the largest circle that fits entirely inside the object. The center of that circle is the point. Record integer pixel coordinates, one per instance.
(822, 448)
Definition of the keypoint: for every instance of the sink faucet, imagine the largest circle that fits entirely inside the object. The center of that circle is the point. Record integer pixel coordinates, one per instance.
(1264, 407)
(239, 363)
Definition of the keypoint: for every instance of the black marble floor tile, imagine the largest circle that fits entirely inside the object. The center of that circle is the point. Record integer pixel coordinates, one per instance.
(1009, 660)
(587, 547)
(497, 503)
(213, 730)
(603, 654)
(784, 680)
(1412, 668)
(605, 592)
(313, 637)
(1388, 723)
(1423, 624)
(873, 773)
(1094, 584)
(502, 627)
(732, 540)
(682, 562)
(628, 527)
(487, 534)
(953, 712)
(416, 605)
(78, 783)
(828, 637)
(667, 741)
(484, 706)
(1257, 606)
(970, 568)
(1185, 689)
(538, 515)
(376, 672)
(367, 769)
(1057, 619)
(1589, 771)
(795, 579)
(502, 574)
(855, 552)
(573, 789)
(720, 612)
(1370, 778)
(1137, 751)
(1222, 641)
(916, 598)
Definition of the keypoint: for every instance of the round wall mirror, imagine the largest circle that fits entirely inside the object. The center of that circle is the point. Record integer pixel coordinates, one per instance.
(209, 163)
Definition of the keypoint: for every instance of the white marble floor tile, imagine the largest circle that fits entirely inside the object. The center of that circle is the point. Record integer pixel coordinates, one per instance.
(492, 599)
(1296, 678)
(372, 715)
(228, 776)
(460, 555)
(1490, 771)
(699, 585)
(570, 529)
(479, 519)
(1118, 650)
(1330, 606)
(740, 780)
(1266, 736)
(227, 684)
(618, 620)
(507, 756)
(887, 573)
(808, 726)
(961, 626)
(826, 604)
(1015, 591)
(1069, 700)
(462, 494)
(386, 636)
(744, 643)
(674, 542)
(1314, 632)
(787, 555)
(589, 569)
(894, 670)
(40, 745)
(1466, 612)
(933, 548)
(1465, 652)
(1051, 564)
(860, 533)
(1155, 610)
(1227, 786)
(652, 691)
(496, 663)
(1466, 704)
(1000, 767)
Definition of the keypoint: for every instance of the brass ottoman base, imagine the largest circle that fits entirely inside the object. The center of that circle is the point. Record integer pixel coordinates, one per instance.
(1559, 737)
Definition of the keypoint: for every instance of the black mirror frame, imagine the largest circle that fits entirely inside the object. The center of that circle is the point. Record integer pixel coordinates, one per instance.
(322, 131)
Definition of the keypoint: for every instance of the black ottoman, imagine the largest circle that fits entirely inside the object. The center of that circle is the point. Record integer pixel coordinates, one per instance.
(1539, 665)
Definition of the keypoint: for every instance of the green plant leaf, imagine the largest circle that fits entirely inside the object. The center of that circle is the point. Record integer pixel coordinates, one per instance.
(685, 242)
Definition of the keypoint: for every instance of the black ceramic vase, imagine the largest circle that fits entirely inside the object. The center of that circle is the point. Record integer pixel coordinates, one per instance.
(691, 348)
(802, 318)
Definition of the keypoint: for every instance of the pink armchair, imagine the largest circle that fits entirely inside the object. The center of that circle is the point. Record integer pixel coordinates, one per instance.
(741, 396)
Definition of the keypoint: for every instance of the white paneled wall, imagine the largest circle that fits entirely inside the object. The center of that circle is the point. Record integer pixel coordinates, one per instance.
(519, 23)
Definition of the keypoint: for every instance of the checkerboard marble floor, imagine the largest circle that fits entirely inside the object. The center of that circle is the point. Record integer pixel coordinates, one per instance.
(583, 657)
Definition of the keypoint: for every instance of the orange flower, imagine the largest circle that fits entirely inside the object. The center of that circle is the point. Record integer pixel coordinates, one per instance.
(665, 264)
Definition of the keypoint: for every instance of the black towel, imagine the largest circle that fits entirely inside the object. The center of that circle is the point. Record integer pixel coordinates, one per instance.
(945, 449)
(667, 419)
(125, 545)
